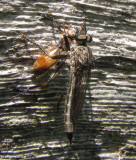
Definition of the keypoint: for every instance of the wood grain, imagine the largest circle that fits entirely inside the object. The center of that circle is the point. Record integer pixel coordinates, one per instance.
(30, 126)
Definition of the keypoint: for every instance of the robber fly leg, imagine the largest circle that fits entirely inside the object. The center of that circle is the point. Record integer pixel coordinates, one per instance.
(54, 74)
(59, 100)
(53, 57)
(29, 40)
(63, 56)
(50, 78)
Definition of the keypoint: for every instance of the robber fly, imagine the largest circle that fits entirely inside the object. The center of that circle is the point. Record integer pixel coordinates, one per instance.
(80, 58)
(73, 51)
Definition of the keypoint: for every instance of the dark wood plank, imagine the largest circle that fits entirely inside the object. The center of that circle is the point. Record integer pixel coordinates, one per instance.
(30, 127)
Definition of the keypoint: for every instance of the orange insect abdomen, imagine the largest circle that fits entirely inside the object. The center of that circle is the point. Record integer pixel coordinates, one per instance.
(44, 61)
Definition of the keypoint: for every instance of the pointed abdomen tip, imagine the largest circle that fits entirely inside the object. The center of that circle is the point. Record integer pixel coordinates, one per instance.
(69, 135)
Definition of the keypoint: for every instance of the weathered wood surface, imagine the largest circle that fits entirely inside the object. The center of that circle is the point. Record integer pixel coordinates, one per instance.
(30, 127)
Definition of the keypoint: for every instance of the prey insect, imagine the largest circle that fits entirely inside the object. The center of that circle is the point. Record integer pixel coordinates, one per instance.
(78, 56)
(52, 55)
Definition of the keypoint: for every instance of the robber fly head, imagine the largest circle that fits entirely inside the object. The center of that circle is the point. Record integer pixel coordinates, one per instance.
(80, 35)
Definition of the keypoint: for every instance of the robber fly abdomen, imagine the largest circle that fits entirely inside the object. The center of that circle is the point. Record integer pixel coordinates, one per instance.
(80, 63)
(79, 72)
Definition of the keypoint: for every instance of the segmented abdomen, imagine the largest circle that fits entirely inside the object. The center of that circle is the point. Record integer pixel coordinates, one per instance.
(79, 71)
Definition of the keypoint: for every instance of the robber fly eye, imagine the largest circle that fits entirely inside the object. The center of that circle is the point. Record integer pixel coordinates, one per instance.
(88, 38)
(83, 39)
